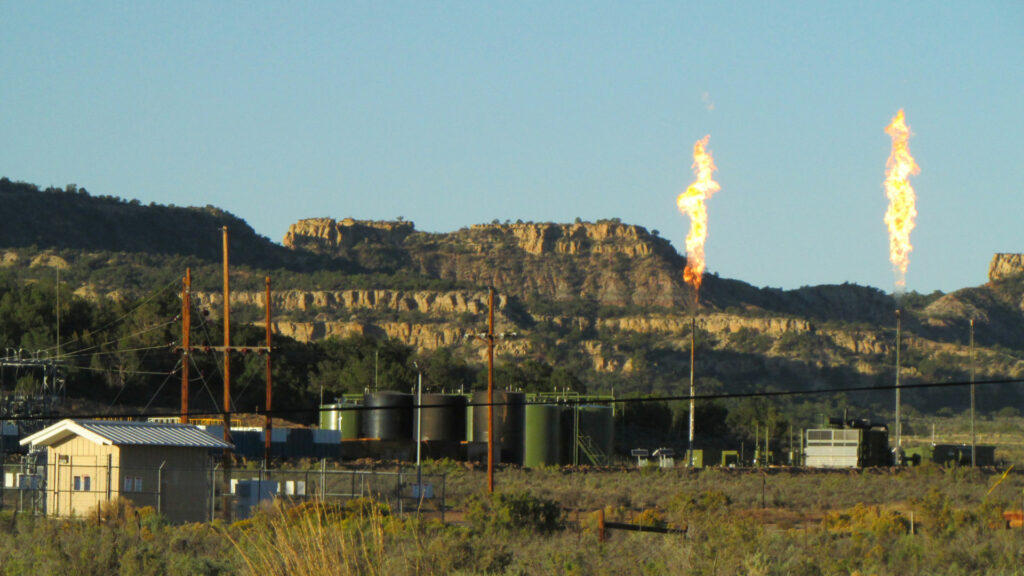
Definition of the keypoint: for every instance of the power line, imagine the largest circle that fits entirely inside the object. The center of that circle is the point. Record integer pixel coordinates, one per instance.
(152, 296)
(576, 401)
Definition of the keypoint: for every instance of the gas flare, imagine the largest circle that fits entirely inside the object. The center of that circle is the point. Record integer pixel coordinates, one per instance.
(902, 210)
(691, 203)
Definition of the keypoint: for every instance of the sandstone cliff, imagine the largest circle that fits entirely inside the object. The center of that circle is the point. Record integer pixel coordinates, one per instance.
(1005, 266)
(609, 262)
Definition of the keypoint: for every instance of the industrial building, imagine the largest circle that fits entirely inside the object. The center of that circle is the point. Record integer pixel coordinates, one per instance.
(848, 444)
(164, 466)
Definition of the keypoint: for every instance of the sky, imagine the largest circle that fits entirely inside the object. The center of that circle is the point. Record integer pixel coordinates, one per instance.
(451, 114)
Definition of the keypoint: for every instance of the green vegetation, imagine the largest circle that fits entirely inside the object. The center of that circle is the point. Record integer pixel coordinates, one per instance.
(908, 522)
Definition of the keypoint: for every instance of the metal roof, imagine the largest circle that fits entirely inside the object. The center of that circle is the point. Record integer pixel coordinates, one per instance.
(109, 432)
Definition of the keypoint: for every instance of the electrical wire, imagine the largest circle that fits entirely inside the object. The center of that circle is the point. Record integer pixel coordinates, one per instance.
(151, 297)
(579, 401)
(161, 387)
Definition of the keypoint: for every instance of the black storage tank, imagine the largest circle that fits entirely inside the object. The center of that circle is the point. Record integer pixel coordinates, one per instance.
(509, 423)
(393, 420)
(444, 418)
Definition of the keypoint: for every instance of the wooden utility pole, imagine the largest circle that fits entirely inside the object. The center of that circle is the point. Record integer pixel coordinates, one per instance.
(186, 333)
(226, 349)
(227, 344)
(226, 481)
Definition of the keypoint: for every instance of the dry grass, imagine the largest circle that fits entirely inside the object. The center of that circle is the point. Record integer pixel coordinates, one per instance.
(313, 539)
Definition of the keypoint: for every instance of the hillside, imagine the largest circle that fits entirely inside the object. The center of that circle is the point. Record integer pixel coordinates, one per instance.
(604, 300)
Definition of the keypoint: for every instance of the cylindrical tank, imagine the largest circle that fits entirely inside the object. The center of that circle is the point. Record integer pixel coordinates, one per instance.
(329, 416)
(344, 416)
(444, 418)
(469, 422)
(543, 435)
(350, 420)
(509, 419)
(596, 424)
(393, 420)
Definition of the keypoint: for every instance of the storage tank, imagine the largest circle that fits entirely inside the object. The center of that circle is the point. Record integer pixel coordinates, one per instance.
(543, 435)
(344, 416)
(509, 419)
(329, 416)
(393, 420)
(444, 418)
(587, 428)
(597, 424)
(350, 421)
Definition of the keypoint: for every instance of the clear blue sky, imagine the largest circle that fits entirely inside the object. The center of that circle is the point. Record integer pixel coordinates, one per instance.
(456, 113)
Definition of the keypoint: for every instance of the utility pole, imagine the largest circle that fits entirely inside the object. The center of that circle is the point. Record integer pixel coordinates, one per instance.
(489, 337)
(186, 333)
(226, 483)
(226, 349)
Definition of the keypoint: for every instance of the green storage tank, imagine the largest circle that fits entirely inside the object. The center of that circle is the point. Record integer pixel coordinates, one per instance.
(350, 421)
(341, 417)
(543, 435)
(329, 416)
(597, 425)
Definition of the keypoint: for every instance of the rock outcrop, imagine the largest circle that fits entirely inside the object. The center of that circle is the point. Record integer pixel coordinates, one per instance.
(609, 262)
(335, 237)
(1005, 266)
(337, 302)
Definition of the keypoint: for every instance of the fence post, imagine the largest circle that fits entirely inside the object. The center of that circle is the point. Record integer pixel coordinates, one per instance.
(213, 490)
(110, 475)
(323, 479)
(160, 488)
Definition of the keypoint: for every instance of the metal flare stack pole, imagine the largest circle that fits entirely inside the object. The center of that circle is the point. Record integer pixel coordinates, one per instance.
(974, 459)
(490, 391)
(693, 347)
(269, 425)
(896, 451)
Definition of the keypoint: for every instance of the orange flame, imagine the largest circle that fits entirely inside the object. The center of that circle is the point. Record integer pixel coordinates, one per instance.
(691, 203)
(902, 210)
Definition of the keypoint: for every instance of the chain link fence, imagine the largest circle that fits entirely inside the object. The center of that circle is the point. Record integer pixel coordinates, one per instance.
(73, 489)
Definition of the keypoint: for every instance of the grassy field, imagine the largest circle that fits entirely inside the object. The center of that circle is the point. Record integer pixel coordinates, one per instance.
(925, 520)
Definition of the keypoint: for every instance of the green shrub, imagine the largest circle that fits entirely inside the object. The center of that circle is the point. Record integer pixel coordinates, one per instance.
(515, 512)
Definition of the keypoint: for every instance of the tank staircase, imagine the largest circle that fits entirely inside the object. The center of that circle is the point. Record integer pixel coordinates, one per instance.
(591, 451)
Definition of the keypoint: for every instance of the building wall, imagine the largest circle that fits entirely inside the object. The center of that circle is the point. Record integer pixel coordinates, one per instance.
(92, 464)
(180, 491)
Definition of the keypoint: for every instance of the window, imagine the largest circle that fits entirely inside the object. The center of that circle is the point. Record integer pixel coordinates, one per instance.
(78, 483)
(132, 484)
(63, 459)
(86, 484)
